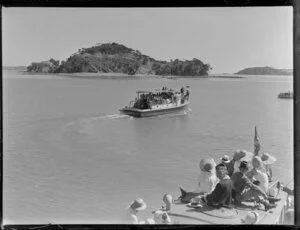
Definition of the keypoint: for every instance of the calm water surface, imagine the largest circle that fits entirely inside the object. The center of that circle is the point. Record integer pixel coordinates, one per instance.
(70, 157)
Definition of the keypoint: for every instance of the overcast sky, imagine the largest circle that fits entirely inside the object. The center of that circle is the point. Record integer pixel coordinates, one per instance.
(229, 39)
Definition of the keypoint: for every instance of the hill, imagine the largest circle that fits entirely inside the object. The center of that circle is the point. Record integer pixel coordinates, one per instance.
(265, 71)
(117, 58)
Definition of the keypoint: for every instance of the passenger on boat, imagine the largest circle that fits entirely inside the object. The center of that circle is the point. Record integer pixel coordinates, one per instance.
(207, 181)
(207, 178)
(187, 94)
(268, 160)
(182, 90)
(136, 206)
(222, 194)
(225, 160)
(258, 173)
(285, 189)
(238, 156)
(244, 189)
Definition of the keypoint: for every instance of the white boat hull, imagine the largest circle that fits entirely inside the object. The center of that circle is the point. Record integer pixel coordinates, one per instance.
(155, 110)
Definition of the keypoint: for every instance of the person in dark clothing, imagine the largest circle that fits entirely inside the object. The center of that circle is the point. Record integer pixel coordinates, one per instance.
(222, 194)
(187, 95)
(244, 189)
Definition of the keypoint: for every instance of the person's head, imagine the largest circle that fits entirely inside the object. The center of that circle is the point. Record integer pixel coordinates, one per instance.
(138, 205)
(225, 159)
(244, 167)
(221, 170)
(207, 165)
(239, 154)
(257, 163)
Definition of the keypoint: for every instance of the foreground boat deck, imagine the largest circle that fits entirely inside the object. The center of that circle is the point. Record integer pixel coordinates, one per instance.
(181, 214)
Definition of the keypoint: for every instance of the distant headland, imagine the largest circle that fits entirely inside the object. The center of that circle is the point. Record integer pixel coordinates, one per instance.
(265, 71)
(116, 58)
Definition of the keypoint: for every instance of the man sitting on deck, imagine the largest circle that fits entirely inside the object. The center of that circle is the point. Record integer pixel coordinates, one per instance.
(222, 194)
(244, 189)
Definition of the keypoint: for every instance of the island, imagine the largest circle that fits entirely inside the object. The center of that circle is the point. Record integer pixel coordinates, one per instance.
(113, 58)
(265, 71)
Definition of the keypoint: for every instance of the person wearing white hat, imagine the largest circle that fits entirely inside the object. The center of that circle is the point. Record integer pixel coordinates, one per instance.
(251, 218)
(259, 174)
(207, 179)
(268, 160)
(225, 159)
(136, 206)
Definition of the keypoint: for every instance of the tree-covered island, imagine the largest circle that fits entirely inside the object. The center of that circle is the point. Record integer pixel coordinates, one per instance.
(117, 58)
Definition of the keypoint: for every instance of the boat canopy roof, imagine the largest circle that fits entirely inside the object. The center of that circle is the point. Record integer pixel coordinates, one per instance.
(156, 91)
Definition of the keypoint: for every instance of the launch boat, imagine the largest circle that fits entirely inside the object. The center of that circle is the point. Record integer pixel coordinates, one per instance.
(286, 95)
(157, 102)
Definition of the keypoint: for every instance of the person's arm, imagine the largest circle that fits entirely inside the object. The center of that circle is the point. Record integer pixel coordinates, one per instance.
(250, 174)
(248, 183)
(211, 183)
(288, 191)
(256, 143)
(134, 219)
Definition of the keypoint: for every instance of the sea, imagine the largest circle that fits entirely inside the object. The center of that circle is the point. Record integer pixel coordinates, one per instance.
(70, 157)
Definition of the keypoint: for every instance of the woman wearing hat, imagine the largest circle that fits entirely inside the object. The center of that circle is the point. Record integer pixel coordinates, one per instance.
(258, 173)
(268, 160)
(207, 178)
(136, 206)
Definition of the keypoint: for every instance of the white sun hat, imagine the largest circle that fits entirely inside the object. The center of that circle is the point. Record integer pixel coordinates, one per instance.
(161, 217)
(251, 218)
(225, 159)
(267, 159)
(138, 204)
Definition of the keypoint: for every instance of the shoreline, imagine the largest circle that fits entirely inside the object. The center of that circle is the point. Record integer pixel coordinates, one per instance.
(85, 75)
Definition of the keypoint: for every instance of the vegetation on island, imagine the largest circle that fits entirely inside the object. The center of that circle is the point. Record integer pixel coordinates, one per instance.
(50, 66)
(117, 58)
(265, 71)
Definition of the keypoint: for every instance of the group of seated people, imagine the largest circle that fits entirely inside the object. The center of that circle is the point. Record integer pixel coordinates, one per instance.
(164, 97)
(245, 177)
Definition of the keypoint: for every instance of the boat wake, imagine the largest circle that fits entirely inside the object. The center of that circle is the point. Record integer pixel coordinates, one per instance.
(112, 116)
(89, 120)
